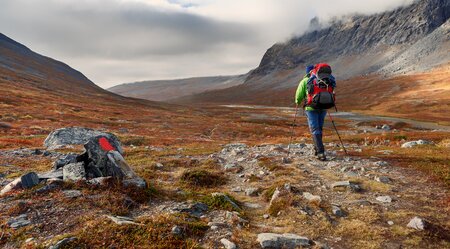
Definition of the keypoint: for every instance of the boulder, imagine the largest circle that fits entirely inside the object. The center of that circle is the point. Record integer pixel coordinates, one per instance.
(29, 180)
(287, 240)
(77, 135)
(102, 158)
(74, 172)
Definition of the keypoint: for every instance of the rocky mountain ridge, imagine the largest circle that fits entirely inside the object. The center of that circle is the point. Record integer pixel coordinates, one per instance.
(360, 35)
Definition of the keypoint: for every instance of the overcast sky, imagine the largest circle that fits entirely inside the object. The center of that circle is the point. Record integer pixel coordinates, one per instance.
(118, 41)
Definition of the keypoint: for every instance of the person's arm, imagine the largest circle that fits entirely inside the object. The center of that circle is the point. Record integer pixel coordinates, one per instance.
(300, 94)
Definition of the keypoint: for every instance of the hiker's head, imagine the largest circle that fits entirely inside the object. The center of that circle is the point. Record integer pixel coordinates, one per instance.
(309, 68)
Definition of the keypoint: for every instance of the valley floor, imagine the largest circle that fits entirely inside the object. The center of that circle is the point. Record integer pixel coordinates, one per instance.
(187, 155)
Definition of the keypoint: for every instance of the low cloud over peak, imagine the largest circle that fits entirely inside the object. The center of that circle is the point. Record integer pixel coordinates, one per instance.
(116, 41)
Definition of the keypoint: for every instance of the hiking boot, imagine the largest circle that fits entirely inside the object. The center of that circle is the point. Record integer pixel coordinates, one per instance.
(318, 144)
(321, 157)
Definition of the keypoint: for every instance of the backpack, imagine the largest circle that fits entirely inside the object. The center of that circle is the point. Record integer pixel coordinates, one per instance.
(320, 88)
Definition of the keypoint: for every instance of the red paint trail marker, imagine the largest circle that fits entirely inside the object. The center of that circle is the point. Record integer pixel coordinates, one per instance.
(105, 144)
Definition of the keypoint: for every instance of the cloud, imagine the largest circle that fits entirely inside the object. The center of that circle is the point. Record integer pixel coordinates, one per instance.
(116, 41)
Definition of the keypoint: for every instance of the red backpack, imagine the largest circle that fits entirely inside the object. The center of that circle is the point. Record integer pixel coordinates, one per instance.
(320, 87)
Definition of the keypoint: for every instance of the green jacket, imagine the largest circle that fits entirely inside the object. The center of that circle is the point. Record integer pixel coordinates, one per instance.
(300, 94)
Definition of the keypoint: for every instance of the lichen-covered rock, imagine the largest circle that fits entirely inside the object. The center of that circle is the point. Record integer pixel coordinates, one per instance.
(74, 172)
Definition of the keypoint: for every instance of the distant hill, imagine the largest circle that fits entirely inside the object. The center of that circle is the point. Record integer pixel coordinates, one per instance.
(165, 90)
(410, 39)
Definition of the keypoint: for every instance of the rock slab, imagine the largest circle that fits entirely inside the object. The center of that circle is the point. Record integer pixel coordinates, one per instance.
(287, 240)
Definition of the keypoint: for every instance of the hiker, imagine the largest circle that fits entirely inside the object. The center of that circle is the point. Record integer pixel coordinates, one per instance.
(316, 92)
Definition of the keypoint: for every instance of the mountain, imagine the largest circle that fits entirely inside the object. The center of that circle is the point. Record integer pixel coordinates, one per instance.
(410, 39)
(39, 94)
(165, 90)
(19, 64)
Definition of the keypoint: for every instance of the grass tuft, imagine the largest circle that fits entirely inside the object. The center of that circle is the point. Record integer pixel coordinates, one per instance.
(202, 178)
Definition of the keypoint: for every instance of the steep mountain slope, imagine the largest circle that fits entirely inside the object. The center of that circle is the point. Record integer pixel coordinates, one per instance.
(410, 39)
(164, 90)
(18, 63)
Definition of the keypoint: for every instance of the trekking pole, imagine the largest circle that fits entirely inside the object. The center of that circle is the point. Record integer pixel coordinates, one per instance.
(292, 131)
(334, 125)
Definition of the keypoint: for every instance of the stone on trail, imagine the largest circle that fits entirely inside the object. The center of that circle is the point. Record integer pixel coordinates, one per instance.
(176, 230)
(228, 244)
(386, 127)
(276, 194)
(74, 172)
(337, 211)
(72, 193)
(77, 135)
(197, 209)
(346, 184)
(384, 199)
(382, 179)
(310, 197)
(62, 243)
(122, 220)
(19, 221)
(417, 223)
(252, 191)
(99, 180)
(137, 181)
(415, 143)
(287, 240)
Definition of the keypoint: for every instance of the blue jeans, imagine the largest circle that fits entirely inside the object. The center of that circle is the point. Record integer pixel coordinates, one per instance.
(316, 119)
